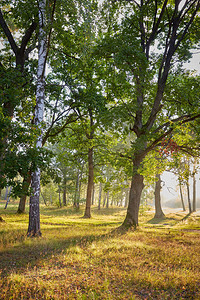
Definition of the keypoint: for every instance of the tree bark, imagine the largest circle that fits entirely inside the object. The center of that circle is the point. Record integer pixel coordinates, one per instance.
(93, 193)
(126, 197)
(34, 211)
(64, 192)
(137, 185)
(100, 192)
(6, 193)
(60, 203)
(107, 202)
(181, 194)
(25, 186)
(104, 199)
(8, 200)
(188, 195)
(77, 191)
(90, 184)
(158, 209)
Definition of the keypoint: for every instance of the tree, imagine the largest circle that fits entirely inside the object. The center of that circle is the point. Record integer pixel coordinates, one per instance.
(18, 41)
(148, 51)
(34, 214)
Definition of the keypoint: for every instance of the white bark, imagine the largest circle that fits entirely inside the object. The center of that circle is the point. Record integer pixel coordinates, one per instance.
(34, 214)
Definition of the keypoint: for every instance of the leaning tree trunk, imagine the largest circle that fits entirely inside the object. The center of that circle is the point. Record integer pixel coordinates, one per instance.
(90, 184)
(34, 211)
(137, 185)
(158, 209)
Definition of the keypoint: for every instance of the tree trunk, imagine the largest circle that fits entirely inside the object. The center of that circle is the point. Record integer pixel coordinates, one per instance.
(194, 188)
(126, 197)
(60, 203)
(22, 204)
(90, 184)
(137, 185)
(181, 194)
(45, 202)
(100, 192)
(64, 192)
(8, 200)
(25, 186)
(158, 209)
(93, 193)
(104, 199)
(107, 203)
(34, 211)
(77, 191)
(6, 193)
(189, 201)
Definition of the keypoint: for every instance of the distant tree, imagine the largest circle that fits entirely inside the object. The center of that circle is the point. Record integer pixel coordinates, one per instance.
(158, 209)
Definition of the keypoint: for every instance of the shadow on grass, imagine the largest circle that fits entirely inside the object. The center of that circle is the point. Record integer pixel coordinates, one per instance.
(163, 221)
(186, 217)
(71, 211)
(29, 252)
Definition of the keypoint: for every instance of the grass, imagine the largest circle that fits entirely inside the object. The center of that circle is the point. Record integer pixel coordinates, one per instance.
(77, 258)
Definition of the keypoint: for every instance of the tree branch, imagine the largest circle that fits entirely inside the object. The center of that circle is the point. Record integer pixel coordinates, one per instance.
(27, 36)
(182, 121)
(8, 34)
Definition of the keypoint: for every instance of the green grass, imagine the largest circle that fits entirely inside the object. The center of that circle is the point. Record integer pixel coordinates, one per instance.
(77, 258)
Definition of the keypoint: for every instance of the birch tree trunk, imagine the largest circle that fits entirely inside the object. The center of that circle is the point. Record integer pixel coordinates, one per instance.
(34, 212)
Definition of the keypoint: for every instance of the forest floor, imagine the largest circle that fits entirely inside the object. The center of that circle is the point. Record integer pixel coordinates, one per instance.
(79, 258)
